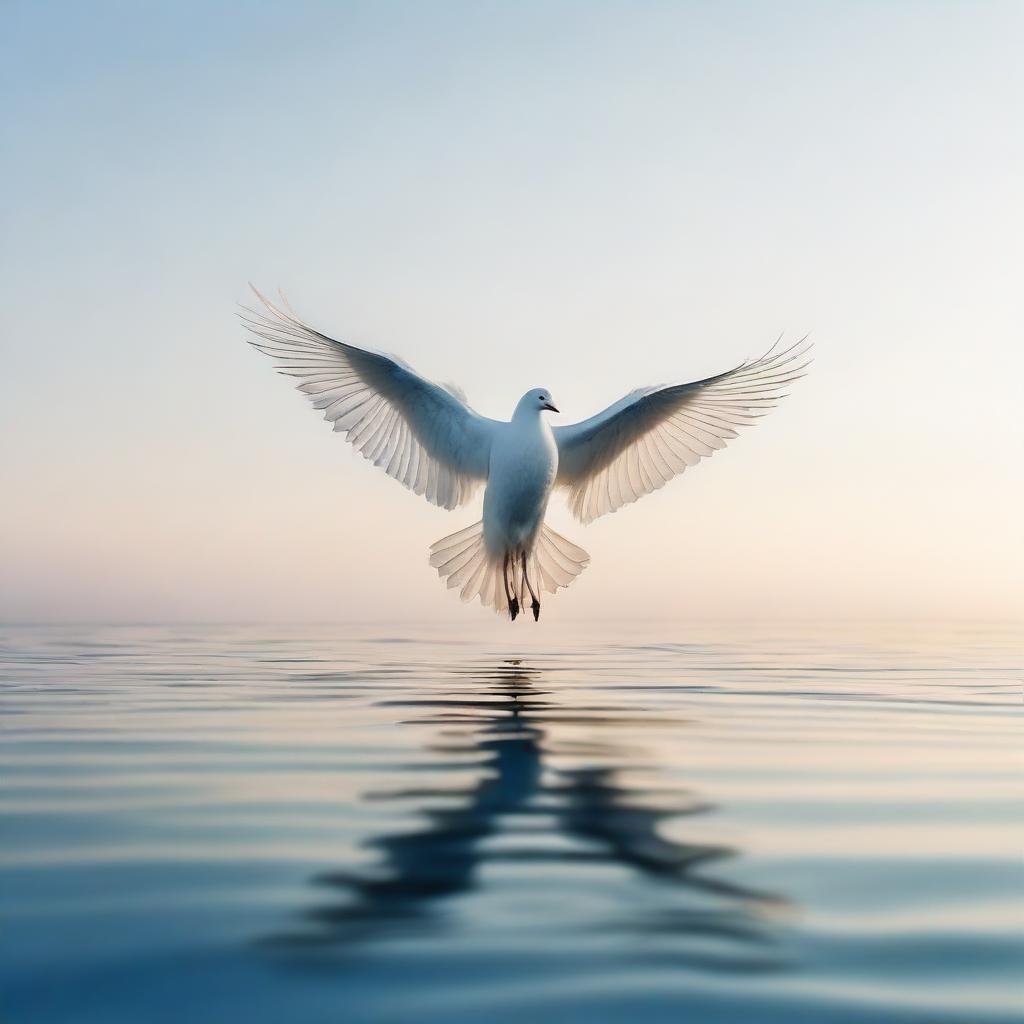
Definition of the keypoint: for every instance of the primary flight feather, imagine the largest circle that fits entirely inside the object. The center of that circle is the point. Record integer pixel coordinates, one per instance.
(429, 439)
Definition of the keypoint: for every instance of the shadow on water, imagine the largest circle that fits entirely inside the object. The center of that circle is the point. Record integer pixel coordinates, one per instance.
(595, 818)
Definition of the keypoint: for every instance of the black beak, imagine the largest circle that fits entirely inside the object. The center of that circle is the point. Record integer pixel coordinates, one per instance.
(549, 407)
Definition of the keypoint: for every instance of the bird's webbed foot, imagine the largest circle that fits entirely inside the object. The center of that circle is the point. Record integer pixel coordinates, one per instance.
(535, 608)
(513, 608)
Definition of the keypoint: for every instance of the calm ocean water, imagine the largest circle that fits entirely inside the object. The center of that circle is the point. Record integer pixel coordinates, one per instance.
(675, 822)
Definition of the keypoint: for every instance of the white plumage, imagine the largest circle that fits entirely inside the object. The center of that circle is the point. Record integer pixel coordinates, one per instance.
(428, 438)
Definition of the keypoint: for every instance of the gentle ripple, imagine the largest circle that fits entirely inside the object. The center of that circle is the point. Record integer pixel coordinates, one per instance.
(705, 823)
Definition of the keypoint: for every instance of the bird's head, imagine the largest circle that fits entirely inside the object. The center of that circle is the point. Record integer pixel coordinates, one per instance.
(535, 402)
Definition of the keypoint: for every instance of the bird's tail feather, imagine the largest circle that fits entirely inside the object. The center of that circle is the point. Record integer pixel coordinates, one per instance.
(463, 561)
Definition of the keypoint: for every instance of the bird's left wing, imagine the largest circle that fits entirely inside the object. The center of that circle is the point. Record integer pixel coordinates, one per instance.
(638, 444)
(417, 432)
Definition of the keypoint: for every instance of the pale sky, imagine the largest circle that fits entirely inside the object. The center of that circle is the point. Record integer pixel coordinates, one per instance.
(583, 196)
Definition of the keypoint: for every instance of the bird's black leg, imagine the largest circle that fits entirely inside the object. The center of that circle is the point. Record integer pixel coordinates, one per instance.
(513, 602)
(535, 605)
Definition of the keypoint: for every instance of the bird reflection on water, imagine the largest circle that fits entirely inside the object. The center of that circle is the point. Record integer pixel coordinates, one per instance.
(594, 813)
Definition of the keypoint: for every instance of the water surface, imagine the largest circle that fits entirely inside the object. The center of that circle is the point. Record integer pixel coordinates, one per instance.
(670, 822)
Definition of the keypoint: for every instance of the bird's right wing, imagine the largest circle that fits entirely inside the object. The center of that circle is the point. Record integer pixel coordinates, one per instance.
(638, 444)
(417, 432)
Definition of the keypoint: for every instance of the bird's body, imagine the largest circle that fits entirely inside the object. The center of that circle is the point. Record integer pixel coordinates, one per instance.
(521, 475)
(428, 439)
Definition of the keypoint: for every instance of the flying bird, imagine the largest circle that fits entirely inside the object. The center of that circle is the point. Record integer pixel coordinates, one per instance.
(426, 437)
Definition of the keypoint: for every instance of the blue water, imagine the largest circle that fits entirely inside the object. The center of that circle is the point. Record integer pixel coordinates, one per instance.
(662, 823)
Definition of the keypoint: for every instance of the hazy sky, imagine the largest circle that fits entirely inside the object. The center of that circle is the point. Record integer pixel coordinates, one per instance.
(584, 196)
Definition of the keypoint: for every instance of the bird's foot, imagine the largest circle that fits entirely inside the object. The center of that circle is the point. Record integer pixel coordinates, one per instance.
(513, 608)
(535, 607)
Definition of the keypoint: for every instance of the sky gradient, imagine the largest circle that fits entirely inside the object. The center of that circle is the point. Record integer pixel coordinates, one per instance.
(587, 197)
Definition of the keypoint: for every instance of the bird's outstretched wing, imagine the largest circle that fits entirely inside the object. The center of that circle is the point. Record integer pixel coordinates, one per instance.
(638, 444)
(417, 432)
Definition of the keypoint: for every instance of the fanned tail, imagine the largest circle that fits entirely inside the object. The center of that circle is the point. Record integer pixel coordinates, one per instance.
(463, 561)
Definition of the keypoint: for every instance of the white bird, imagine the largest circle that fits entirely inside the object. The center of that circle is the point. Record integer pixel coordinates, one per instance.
(428, 438)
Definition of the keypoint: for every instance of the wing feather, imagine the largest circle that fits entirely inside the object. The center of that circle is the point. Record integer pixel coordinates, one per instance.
(639, 443)
(421, 434)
